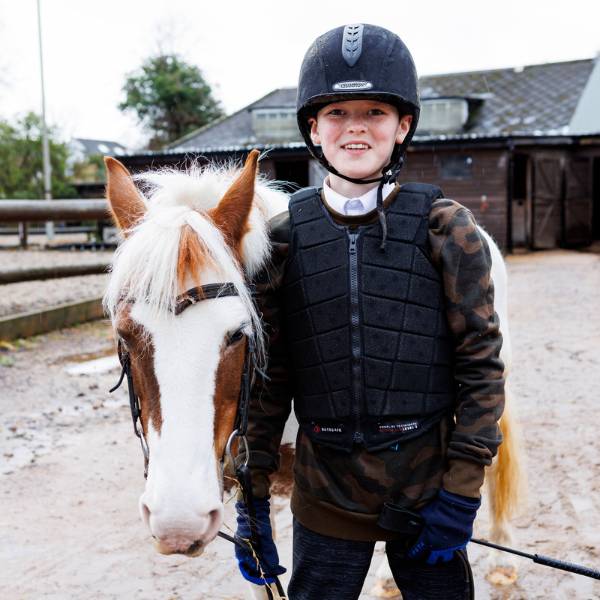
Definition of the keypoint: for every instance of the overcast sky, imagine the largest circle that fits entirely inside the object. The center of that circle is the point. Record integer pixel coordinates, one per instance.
(247, 49)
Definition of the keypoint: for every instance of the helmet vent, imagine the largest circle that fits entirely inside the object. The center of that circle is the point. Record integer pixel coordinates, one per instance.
(352, 43)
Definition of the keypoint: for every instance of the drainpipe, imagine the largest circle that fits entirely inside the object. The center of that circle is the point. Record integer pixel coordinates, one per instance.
(509, 196)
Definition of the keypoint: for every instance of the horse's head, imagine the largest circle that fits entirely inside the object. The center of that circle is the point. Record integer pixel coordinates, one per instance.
(196, 228)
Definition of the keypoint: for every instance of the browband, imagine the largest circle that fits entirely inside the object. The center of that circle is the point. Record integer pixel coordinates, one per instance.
(205, 292)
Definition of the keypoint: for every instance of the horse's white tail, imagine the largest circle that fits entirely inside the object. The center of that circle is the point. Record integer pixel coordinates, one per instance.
(507, 477)
(506, 482)
(509, 470)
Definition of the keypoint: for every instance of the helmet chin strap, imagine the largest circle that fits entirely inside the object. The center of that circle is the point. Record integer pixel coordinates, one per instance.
(389, 175)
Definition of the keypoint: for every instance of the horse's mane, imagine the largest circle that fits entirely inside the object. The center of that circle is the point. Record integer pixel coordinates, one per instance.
(176, 235)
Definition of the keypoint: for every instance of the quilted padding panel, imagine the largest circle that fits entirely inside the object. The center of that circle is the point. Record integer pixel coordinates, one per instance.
(394, 322)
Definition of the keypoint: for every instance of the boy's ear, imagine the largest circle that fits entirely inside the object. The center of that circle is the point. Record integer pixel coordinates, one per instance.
(404, 127)
(314, 132)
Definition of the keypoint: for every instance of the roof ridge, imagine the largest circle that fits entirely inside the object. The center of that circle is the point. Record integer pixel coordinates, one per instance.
(82, 139)
(507, 69)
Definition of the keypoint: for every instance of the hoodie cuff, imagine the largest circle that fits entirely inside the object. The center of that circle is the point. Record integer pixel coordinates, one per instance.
(464, 478)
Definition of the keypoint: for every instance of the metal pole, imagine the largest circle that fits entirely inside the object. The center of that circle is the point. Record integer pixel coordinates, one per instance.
(23, 234)
(45, 145)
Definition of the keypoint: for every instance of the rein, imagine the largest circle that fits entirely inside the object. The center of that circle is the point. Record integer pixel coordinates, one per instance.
(134, 403)
(190, 298)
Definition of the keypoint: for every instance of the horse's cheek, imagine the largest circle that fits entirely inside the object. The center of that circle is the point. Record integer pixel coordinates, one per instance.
(227, 388)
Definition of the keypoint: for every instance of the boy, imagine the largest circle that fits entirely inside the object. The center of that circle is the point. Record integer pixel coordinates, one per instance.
(379, 305)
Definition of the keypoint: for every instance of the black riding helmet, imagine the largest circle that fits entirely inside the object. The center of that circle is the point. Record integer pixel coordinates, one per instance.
(359, 62)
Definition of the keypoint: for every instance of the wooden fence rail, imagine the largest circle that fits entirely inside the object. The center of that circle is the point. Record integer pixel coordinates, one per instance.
(39, 273)
(22, 211)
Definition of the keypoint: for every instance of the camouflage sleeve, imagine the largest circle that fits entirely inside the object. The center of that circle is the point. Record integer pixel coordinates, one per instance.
(463, 256)
(270, 404)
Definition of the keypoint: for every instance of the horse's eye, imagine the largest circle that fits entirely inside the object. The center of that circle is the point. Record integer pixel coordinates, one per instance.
(122, 339)
(123, 342)
(236, 336)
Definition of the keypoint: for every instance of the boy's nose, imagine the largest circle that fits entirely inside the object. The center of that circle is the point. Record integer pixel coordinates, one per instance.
(356, 124)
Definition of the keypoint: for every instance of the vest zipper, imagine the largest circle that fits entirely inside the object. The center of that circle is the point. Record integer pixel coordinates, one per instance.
(355, 327)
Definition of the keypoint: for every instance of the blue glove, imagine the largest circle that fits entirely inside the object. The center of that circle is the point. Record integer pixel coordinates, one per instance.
(247, 562)
(448, 527)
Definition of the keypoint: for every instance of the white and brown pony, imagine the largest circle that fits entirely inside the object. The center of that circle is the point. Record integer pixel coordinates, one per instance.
(187, 230)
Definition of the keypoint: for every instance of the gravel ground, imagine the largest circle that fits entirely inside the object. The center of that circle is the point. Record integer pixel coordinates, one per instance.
(71, 468)
(39, 240)
(35, 295)
(28, 259)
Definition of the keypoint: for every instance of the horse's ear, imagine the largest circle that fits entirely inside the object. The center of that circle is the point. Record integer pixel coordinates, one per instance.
(232, 212)
(126, 206)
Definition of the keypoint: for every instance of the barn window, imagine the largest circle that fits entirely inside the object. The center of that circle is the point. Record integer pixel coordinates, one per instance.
(456, 166)
(275, 124)
(442, 116)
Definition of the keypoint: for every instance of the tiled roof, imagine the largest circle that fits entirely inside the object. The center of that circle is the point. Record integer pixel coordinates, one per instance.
(528, 101)
(236, 130)
(540, 98)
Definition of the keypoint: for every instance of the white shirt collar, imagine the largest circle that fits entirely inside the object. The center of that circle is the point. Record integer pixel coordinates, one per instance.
(369, 199)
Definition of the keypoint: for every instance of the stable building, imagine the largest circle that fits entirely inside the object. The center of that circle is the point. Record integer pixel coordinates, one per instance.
(519, 147)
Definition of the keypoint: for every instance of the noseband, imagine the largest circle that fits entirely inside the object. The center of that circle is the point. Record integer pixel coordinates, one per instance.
(191, 298)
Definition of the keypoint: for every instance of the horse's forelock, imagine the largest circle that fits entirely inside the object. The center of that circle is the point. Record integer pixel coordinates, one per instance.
(201, 189)
(193, 257)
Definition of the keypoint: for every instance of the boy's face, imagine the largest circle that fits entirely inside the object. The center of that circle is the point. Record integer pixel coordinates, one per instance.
(358, 136)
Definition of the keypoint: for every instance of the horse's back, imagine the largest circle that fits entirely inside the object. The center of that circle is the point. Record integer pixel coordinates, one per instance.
(500, 279)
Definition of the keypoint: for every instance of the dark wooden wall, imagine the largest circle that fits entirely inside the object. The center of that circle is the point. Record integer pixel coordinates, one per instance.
(484, 193)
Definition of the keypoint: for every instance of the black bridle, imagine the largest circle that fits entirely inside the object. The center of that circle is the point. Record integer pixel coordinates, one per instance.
(191, 298)
(249, 372)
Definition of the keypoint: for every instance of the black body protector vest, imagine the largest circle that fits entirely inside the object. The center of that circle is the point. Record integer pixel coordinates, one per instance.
(367, 330)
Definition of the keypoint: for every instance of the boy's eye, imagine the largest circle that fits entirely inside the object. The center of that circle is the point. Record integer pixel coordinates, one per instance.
(376, 111)
(336, 111)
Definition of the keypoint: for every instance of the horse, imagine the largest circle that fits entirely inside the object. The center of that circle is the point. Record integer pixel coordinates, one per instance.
(193, 231)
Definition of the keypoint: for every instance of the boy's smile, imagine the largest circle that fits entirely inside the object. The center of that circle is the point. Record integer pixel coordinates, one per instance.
(357, 138)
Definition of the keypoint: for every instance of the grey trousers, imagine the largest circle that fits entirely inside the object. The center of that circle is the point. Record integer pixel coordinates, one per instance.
(326, 568)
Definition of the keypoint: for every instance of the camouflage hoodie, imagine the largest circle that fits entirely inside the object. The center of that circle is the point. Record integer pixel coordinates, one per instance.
(341, 495)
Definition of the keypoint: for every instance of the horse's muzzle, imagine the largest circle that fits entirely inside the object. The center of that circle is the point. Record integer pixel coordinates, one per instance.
(179, 546)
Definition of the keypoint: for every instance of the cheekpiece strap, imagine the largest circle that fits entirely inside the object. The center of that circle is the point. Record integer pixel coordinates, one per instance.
(241, 420)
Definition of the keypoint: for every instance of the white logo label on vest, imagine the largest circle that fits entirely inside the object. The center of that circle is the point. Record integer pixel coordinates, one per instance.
(398, 427)
(343, 86)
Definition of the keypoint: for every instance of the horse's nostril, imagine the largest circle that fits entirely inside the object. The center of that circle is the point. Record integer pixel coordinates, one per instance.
(145, 513)
(215, 520)
(194, 547)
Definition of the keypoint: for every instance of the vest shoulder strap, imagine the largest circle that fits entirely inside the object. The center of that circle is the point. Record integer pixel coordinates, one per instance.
(431, 191)
(303, 194)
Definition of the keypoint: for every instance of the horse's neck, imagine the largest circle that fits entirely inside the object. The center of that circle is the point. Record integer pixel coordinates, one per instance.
(272, 202)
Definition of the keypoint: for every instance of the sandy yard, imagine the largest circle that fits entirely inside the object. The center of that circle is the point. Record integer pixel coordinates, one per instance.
(38, 295)
(71, 468)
